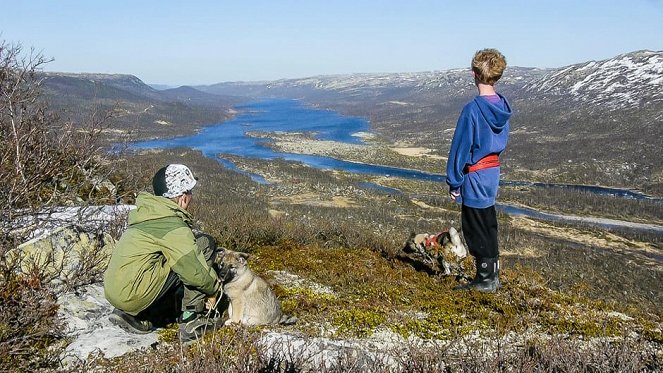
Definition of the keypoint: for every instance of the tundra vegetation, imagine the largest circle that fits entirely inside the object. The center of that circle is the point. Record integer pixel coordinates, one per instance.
(46, 163)
(573, 299)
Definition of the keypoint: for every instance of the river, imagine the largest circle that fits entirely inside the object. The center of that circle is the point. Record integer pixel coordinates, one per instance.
(231, 138)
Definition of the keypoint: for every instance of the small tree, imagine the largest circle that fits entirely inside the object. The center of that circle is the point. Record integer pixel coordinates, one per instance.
(40, 155)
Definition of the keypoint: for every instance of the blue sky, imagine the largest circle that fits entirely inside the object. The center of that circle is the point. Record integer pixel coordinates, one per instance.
(205, 42)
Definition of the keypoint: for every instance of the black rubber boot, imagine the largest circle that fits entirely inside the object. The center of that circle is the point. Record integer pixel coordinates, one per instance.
(487, 277)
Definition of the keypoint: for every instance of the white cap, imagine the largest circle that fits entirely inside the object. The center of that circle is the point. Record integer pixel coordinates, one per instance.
(173, 181)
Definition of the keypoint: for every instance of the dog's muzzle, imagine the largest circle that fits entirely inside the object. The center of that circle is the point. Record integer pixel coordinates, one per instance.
(223, 273)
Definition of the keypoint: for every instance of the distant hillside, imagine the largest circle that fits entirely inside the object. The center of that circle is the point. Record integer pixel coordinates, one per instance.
(630, 80)
(83, 84)
(600, 120)
(592, 122)
(138, 109)
(410, 104)
(596, 122)
(191, 95)
(161, 87)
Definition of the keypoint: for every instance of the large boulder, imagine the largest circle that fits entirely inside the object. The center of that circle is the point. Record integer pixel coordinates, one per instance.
(66, 256)
(69, 246)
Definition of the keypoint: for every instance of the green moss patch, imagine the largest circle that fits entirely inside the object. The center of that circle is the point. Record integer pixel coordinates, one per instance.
(371, 291)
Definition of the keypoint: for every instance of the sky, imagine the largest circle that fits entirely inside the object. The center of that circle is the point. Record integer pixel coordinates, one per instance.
(206, 42)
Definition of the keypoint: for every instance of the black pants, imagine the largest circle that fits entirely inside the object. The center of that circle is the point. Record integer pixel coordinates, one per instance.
(480, 231)
(166, 307)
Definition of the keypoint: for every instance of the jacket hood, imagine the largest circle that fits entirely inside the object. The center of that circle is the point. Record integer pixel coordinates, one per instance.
(150, 207)
(496, 115)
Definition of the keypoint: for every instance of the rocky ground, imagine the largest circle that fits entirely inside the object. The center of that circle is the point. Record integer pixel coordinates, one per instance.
(85, 313)
(296, 195)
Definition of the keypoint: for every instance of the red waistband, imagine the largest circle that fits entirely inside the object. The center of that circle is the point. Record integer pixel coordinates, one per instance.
(489, 161)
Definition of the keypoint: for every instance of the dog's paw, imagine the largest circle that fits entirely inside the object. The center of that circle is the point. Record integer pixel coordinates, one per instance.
(230, 322)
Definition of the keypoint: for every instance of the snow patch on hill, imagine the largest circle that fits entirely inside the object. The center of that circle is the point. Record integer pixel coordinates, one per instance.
(626, 81)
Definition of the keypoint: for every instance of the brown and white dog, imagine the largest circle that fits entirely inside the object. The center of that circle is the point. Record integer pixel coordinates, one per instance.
(444, 250)
(252, 301)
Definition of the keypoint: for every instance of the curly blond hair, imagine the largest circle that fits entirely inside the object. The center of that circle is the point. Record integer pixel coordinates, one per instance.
(488, 65)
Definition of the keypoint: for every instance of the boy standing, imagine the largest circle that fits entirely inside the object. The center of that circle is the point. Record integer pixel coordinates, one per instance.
(473, 168)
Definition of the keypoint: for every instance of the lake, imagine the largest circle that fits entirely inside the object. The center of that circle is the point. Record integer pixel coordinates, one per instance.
(231, 137)
(283, 116)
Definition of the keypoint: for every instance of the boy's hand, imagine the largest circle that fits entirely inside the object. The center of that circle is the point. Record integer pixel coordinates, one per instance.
(455, 195)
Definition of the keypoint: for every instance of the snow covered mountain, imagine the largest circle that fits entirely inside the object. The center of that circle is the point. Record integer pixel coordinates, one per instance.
(627, 81)
(454, 83)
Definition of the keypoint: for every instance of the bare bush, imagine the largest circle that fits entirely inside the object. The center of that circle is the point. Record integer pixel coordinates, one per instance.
(28, 325)
(45, 163)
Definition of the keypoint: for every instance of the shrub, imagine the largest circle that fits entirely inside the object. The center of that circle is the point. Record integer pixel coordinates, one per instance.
(44, 162)
(28, 325)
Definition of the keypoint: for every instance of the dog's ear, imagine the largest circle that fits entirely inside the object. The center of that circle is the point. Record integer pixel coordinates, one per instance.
(218, 257)
(412, 234)
(243, 257)
(455, 237)
(442, 238)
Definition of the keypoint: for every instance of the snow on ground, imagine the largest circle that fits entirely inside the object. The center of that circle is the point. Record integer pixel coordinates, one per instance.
(91, 218)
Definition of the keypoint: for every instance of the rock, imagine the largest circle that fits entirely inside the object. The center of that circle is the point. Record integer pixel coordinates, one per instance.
(70, 245)
(382, 349)
(620, 316)
(64, 255)
(85, 313)
(90, 218)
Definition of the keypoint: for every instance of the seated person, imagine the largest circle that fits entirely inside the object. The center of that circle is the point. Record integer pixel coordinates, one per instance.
(159, 265)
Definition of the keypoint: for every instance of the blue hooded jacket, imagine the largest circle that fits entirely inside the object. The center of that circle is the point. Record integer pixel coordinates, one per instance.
(482, 129)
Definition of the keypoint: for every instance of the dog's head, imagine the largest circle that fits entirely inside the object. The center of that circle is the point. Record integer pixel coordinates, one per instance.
(230, 264)
(449, 241)
(416, 242)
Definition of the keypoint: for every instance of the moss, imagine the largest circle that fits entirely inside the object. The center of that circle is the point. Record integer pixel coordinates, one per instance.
(371, 291)
(169, 333)
(652, 332)
(438, 324)
(583, 327)
(357, 322)
(298, 301)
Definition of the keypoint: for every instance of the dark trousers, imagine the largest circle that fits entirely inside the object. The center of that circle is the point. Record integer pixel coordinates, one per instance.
(176, 297)
(480, 231)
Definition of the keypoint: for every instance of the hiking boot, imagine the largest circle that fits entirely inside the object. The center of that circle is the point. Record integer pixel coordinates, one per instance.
(487, 278)
(195, 325)
(129, 323)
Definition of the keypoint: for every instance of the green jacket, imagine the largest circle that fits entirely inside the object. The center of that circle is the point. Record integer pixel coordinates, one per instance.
(159, 239)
